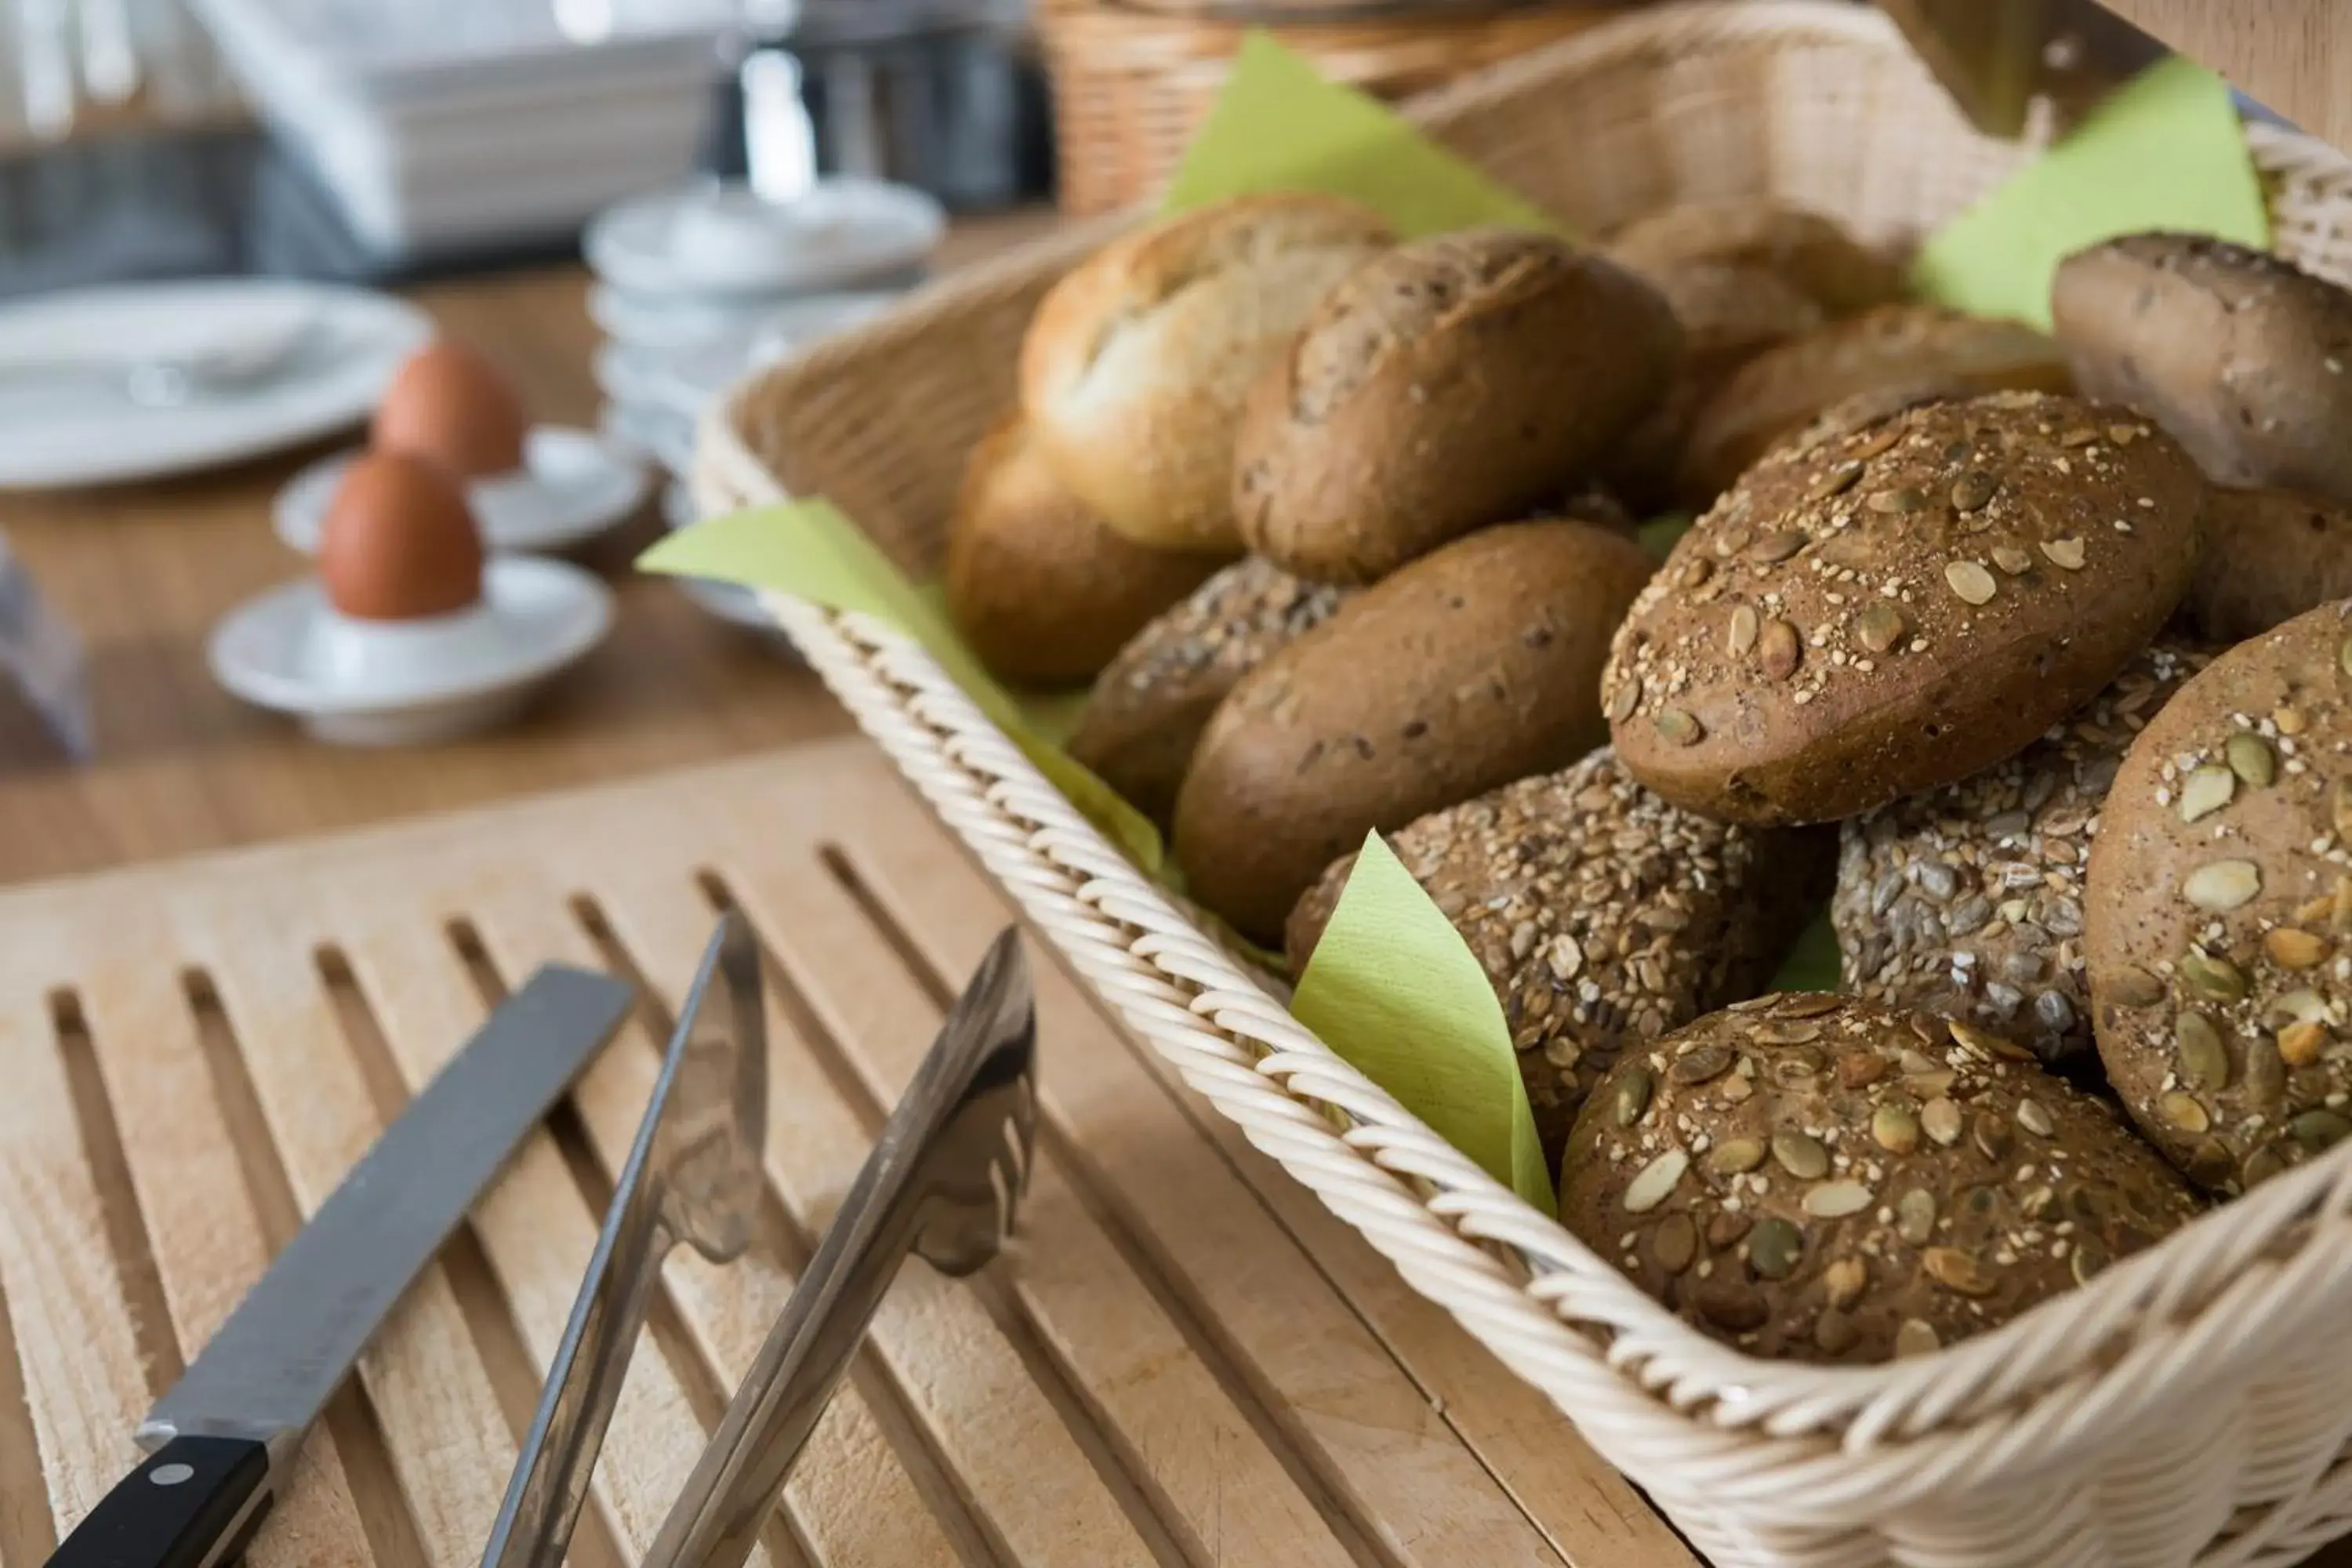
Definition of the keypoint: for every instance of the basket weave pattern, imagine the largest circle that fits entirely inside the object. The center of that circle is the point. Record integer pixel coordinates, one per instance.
(2191, 1404)
(1131, 85)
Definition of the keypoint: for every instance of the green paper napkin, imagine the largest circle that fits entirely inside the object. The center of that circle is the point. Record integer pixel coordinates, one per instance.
(810, 550)
(1812, 963)
(1393, 989)
(1277, 125)
(2166, 151)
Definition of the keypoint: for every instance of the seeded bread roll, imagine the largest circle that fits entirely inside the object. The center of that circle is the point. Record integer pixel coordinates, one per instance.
(2243, 357)
(1601, 915)
(1822, 1179)
(1043, 592)
(1151, 702)
(1888, 350)
(1729, 314)
(2269, 556)
(1474, 665)
(1807, 250)
(1891, 609)
(1136, 365)
(1967, 901)
(1455, 381)
(2220, 923)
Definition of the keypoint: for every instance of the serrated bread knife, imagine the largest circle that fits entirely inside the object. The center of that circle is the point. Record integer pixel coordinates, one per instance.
(223, 1440)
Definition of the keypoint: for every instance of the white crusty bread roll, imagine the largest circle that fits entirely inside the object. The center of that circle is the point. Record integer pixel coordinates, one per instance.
(1138, 362)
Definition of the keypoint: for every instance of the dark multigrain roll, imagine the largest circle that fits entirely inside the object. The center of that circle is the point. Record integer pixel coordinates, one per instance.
(1967, 901)
(1457, 381)
(1888, 605)
(1601, 915)
(2220, 922)
(1475, 665)
(2245, 357)
(1823, 1179)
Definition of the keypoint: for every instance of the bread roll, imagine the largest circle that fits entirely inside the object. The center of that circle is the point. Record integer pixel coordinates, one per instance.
(1889, 351)
(1807, 250)
(1151, 702)
(1474, 665)
(1729, 314)
(2243, 357)
(2219, 928)
(1603, 916)
(1136, 365)
(1041, 590)
(1821, 1179)
(1895, 606)
(2269, 556)
(1455, 381)
(1967, 901)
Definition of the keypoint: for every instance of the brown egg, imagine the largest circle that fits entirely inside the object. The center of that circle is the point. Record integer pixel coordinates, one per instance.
(401, 543)
(449, 406)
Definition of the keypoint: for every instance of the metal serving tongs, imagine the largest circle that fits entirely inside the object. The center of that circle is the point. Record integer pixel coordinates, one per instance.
(945, 1182)
(693, 1177)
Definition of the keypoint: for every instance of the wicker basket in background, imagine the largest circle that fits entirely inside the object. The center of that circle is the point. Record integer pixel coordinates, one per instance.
(1321, 10)
(2191, 1406)
(1130, 83)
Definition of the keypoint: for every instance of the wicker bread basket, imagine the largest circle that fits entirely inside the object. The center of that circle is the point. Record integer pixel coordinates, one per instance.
(1313, 10)
(2192, 1404)
(1130, 84)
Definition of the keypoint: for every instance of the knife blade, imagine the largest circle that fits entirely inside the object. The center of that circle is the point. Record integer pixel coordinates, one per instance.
(220, 1440)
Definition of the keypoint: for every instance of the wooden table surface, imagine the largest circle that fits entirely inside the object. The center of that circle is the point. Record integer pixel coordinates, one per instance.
(145, 570)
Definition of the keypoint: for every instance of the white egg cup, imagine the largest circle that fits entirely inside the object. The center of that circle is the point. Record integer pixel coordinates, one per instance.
(573, 487)
(359, 682)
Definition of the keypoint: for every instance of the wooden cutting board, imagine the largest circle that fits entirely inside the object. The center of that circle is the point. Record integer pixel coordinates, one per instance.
(1186, 1359)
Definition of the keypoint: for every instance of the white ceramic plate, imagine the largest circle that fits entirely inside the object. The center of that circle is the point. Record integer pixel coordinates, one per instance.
(371, 683)
(71, 431)
(575, 485)
(719, 239)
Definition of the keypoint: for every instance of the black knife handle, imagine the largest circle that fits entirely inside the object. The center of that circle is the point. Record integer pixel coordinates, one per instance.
(193, 1504)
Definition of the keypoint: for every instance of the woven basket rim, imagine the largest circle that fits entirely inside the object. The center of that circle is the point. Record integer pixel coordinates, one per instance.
(1989, 1407)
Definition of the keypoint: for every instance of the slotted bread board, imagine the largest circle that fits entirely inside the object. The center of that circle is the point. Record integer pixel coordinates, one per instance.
(1185, 1361)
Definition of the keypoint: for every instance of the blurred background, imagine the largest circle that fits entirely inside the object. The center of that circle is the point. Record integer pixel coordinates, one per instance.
(365, 140)
(225, 227)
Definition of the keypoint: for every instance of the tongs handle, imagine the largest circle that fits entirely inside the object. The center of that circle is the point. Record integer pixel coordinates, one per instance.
(943, 1180)
(718, 1518)
(559, 1457)
(692, 1175)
